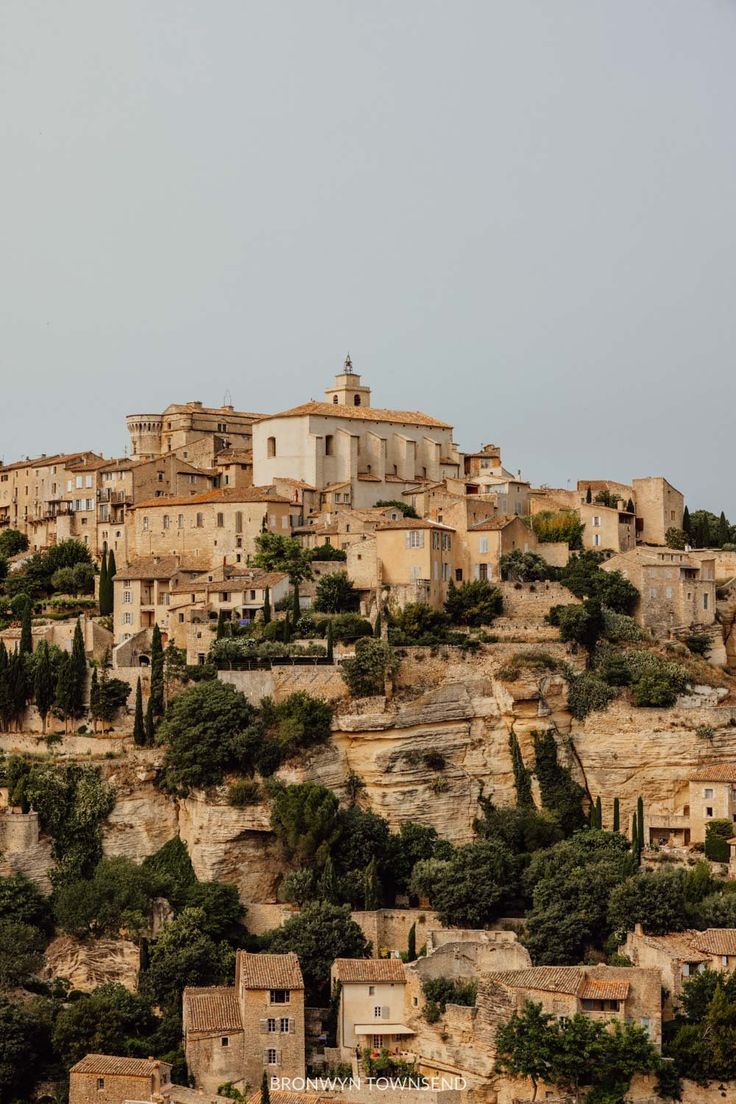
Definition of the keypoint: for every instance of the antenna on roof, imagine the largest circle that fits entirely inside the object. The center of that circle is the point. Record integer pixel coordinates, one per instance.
(348, 363)
(227, 399)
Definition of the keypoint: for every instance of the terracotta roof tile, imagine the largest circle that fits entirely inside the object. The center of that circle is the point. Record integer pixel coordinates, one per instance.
(213, 1009)
(548, 979)
(361, 414)
(500, 521)
(159, 567)
(716, 772)
(223, 494)
(603, 989)
(112, 1064)
(369, 970)
(414, 523)
(269, 971)
(716, 941)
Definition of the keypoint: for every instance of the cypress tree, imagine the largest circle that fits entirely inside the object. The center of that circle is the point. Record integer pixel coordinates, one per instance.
(103, 594)
(616, 815)
(221, 629)
(377, 627)
(330, 644)
(630, 509)
(150, 724)
(18, 687)
(327, 883)
(589, 495)
(77, 673)
(724, 530)
(640, 824)
(43, 682)
(111, 573)
(522, 775)
(94, 697)
(156, 700)
(598, 813)
(265, 1092)
(372, 887)
(4, 688)
(139, 728)
(411, 944)
(266, 605)
(686, 526)
(286, 630)
(296, 608)
(634, 832)
(62, 686)
(26, 632)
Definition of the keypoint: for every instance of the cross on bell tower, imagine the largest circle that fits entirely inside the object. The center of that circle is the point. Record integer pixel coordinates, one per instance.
(347, 390)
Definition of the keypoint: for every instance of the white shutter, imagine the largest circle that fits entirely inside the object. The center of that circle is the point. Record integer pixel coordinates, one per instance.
(385, 1013)
(292, 1027)
(407, 539)
(265, 1057)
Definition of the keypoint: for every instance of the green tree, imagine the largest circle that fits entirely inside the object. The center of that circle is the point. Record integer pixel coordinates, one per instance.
(12, 541)
(411, 944)
(319, 934)
(221, 625)
(372, 887)
(328, 883)
(304, 818)
(72, 678)
(44, 682)
(374, 662)
(475, 884)
(403, 507)
(522, 774)
(582, 624)
(266, 605)
(26, 632)
(275, 552)
(656, 901)
(104, 593)
(675, 538)
(525, 1043)
(717, 834)
(185, 955)
(24, 1047)
(565, 526)
(524, 567)
(336, 594)
(558, 790)
(157, 674)
(108, 1020)
(22, 902)
(21, 952)
(616, 815)
(201, 731)
(473, 603)
(118, 896)
(139, 728)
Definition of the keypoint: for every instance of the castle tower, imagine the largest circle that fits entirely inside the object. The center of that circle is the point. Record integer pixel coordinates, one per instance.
(347, 390)
(145, 435)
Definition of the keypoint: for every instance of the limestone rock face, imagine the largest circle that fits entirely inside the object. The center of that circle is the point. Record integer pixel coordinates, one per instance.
(142, 821)
(94, 962)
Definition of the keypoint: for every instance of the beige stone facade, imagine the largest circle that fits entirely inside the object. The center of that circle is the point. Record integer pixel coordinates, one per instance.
(488, 540)
(371, 1011)
(607, 528)
(105, 1079)
(345, 441)
(236, 1033)
(659, 507)
(142, 593)
(676, 590)
(681, 955)
(216, 527)
(187, 426)
(409, 560)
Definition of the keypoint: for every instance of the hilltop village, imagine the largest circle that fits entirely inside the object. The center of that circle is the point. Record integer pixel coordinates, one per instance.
(337, 760)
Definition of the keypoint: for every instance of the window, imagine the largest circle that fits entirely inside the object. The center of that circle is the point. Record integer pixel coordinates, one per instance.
(180, 521)
(371, 990)
(271, 1024)
(225, 1041)
(377, 1012)
(668, 592)
(88, 480)
(200, 521)
(705, 601)
(415, 539)
(271, 446)
(238, 521)
(284, 1025)
(271, 1057)
(709, 810)
(145, 524)
(596, 539)
(483, 546)
(378, 1042)
(220, 521)
(79, 481)
(100, 1083)
(127, 618)
(356, 400)
(334, 400)
(707, 792)
(329, 445)
(596, 521)
(279, 996)
(167, 521)
(127, 595)
(160, 476)
(482, 570)
(458, 574)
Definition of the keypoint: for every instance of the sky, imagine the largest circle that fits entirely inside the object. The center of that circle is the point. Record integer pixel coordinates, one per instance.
(517, 215)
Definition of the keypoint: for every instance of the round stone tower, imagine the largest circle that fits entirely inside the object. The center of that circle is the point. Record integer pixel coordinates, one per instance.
(145, 435)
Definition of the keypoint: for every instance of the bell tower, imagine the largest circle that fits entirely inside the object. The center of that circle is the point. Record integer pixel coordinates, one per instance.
(347, 389)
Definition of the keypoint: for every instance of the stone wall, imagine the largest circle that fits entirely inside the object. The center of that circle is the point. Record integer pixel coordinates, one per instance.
(388, 929)
(532, 601)
(323, 681)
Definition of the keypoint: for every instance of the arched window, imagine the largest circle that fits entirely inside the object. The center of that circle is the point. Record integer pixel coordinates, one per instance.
(334, 399)
(329, 444)
(271, 446)
(356, 400)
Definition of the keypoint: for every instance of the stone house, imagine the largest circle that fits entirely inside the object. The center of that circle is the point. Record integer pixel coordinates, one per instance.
(235, 1033)
(410, 560)
(600, 993)
(189, 426)
(676, 590)
(106, 1079)
(143, 592)
(371, 1010)
(680, 955)
(218, 525)
(234, 467)
(607, 527)
(659, 507)
(712, 796)
(370, 453)
(33, 497)
(488, 540)
(344, 526)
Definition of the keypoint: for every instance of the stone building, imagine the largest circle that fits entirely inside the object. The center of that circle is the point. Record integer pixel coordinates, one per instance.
(371, 1007)
(411, 559)
(35, 496)
(221, 525)
(712, 796)
(659, 507)
(607, 527)
(106, 1079)
(189, 426)
(344, 442)
(143, 591)
(236, 1033)
(677, 591)
(488, 540)
(680, 955)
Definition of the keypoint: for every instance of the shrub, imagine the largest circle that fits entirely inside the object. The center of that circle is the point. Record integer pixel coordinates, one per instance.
(525, 567)
(618, 627)
(336, 594)
(675, 538)
(328, 552)
(441, 991)
(403, 507)
(536, 660)
(656, 682)
(717, 834)
(699, 643)
(349, 627)
(244, 792)
(588, 693)
(418, 623)
(565, 526)
(559, 792)
(473, 603)
(366, 674)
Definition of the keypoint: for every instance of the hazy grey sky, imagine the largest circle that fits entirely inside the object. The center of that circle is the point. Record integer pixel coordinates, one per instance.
(518, 215)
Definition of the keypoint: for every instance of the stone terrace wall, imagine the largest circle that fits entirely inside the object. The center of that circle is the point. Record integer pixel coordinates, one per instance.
(388, 929)
(533, 601)
(324, 681)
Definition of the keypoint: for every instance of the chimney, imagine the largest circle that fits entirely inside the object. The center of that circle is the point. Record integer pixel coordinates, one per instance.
(638, 929)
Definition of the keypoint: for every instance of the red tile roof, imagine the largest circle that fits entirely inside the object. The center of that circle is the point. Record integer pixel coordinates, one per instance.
(716, 772)
(122, 1067)
(269, 971)
(603, 989)
(549, 979)
(716, 941)
(361, 414)
(214, 1009)
(369, 970)
(222, 494)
